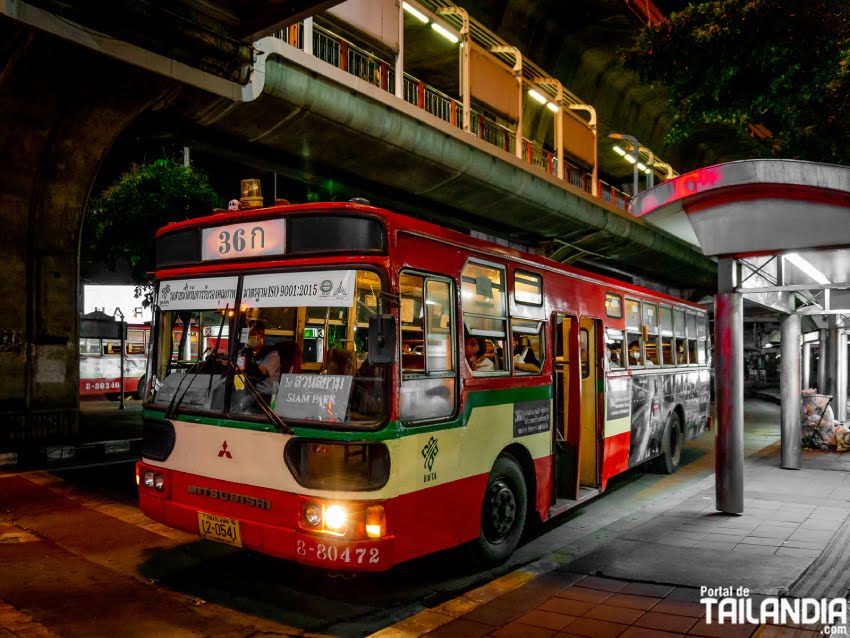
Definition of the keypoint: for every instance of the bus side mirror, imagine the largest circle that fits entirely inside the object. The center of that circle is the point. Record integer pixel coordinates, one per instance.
(382, 340)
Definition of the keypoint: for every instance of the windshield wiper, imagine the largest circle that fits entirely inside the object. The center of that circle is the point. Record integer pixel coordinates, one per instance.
(272, 416)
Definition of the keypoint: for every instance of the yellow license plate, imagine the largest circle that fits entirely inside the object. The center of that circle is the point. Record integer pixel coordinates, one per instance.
(219, 528)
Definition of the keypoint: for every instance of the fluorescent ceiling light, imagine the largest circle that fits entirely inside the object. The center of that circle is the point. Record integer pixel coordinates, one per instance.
(415, 12)
(537, 96)
(641, 166)
(629, 159)
(552, 107)
(448, 35)
(807, 268)
(619, 151)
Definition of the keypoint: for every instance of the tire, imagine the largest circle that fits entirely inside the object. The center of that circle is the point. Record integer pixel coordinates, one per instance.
(112, 396)
(671, 446)
(140, 391)
(503, 512)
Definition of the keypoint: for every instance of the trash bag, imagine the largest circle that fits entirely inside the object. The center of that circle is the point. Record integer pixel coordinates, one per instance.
(842, 436)
(818, 429)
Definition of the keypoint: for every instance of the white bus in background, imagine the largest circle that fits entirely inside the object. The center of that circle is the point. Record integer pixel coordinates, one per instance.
(100, 359)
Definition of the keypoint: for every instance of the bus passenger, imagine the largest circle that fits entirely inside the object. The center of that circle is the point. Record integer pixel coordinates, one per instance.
(266, 359)
(614, 354)
(524, 358)
(634, 355)
(475, 355)
(492, 353)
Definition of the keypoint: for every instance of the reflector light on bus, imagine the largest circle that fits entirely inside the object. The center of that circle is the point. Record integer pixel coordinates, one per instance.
(375, 521)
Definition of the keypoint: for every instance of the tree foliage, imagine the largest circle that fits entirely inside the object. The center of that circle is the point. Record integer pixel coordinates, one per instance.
(120, 224)
(748, 64)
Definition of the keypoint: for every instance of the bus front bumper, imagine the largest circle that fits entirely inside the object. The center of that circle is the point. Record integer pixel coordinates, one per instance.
(317, 550)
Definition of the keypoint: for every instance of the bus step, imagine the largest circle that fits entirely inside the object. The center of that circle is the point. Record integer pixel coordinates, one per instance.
(566, 504)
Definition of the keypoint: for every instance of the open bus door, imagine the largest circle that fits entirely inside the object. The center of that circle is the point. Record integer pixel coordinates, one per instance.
(589, 360)
(567, 394)
(575, 431)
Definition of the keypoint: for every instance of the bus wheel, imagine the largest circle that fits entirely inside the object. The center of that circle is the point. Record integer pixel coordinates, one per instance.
(671, 446)
(112, 396)
(504, 510)
(140, 391)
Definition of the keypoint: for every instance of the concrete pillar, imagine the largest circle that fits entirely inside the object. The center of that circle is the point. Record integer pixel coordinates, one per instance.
(789, 378)
(823, 348)
(729, 388)
(68, 106)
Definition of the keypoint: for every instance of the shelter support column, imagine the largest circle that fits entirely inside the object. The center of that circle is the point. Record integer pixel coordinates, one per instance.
(836, 368)
(789, 380)
(806, 365)
(729, 384)
(823, 349)
(840, 399)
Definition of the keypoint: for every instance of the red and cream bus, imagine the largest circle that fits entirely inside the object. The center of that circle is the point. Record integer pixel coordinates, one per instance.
(100, 364)
(391, 388)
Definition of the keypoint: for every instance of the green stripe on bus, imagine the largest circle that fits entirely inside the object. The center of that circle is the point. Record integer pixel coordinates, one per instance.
(392, 430)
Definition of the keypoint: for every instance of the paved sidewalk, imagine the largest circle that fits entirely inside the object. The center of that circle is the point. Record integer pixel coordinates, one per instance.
(791, 541)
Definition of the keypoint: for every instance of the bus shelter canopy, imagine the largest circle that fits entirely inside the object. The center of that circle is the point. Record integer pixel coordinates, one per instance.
(787, 222)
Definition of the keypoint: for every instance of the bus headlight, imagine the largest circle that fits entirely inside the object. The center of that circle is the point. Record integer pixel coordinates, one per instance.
(149, 479)
(313, 514)
(335, 518)
(159, 482)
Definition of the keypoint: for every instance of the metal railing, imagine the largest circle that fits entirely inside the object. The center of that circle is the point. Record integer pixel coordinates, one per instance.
(343, 54)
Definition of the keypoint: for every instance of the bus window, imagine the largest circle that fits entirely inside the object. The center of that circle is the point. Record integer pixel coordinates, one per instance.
(702, 341)
(296, 325)
(412, 316)
(89, 346)
(650, 322)
(613, 305)
(528, 349)
(484, 318)
(679, 334)
(633, 333)
(614, 348)
(427, 342)
(666, 329)
(528, 288)
(136, 342)
(692, 337)
(178, 374)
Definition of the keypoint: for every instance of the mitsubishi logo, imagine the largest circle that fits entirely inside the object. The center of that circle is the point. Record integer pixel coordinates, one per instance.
(223, 451)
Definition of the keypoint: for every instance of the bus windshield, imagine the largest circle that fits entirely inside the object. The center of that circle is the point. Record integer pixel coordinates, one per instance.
(298, 345)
